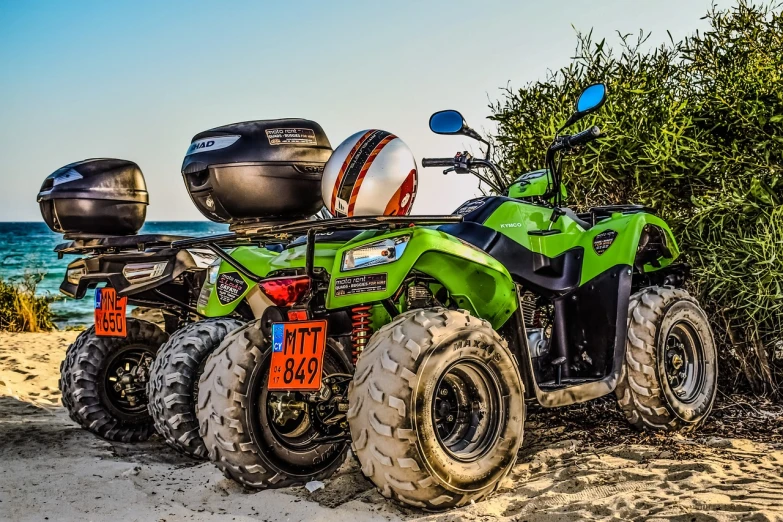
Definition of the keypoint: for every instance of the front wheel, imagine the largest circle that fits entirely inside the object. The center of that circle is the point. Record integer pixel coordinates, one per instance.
(670, 372)
(436, 409)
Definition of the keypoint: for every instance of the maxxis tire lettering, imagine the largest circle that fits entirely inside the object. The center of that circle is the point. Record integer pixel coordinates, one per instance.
(384, 398)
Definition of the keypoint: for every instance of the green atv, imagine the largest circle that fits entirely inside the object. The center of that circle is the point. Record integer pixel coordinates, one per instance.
(419, 340)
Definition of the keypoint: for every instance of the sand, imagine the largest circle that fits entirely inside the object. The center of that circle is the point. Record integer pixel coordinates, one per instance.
(567, 470)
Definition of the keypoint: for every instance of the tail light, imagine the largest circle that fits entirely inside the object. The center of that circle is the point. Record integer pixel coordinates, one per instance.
(285, 291)
(143, 272)
(75, 274)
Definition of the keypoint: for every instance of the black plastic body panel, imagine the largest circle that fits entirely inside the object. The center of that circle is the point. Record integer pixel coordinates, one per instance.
(107, 268)
(549, 276)
(174, 291)
(596, 316)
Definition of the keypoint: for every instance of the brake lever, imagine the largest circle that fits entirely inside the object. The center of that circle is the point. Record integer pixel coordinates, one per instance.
(450, 169)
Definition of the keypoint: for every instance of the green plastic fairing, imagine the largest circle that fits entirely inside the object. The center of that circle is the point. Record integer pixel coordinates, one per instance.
(474, 280)
(517, 219)
(261, 262)
(532, 184)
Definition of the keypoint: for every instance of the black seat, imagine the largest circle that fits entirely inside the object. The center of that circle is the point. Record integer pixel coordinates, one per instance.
(573, 215)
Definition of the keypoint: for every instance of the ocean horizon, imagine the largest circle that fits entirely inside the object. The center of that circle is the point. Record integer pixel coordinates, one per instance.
(28, 247)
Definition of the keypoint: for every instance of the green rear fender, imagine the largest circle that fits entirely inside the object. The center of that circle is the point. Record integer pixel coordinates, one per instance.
(261, 262)
(629, 229)
(474, 280)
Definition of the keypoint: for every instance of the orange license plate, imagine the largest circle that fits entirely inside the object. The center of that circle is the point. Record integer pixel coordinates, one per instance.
(110, 313)
(297, 356)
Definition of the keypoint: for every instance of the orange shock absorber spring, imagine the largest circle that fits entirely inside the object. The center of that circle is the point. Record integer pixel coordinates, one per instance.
(360, 321)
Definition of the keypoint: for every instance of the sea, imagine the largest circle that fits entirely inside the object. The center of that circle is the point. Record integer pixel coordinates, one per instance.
(29, 247)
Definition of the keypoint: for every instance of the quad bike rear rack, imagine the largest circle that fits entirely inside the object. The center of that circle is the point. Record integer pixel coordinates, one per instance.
(265, 234)
(81, 244)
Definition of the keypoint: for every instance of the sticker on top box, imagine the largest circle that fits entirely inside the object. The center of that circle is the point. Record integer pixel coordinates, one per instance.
(291, 137)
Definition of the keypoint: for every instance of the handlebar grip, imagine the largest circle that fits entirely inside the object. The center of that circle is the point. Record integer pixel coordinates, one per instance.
(437, 162)
(583, 137)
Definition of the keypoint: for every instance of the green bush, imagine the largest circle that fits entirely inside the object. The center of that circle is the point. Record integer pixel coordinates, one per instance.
(20, 309)
(694, 129)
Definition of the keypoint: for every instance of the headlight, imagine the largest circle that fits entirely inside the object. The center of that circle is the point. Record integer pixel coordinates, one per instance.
(378, 253)
(212, 271)
(74, 274)
(143, 272)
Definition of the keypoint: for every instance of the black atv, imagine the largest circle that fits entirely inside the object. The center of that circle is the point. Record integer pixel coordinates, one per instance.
(99, 205)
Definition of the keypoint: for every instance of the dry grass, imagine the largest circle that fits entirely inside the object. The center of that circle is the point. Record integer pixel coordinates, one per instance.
(21, 310)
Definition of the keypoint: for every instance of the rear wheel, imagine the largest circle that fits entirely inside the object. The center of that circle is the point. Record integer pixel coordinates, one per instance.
(266, 439)
(436, 409)
(670, 375)
(103, 381)
(173, 384)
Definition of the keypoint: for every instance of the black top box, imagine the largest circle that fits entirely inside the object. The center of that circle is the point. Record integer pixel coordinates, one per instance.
(95, 197)
(266, 170)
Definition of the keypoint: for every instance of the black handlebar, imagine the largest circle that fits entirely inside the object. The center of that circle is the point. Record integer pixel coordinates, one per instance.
(575, 140)
(437, 162)
(583, 137)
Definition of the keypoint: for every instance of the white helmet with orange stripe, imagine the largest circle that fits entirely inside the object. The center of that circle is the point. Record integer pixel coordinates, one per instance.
(381, 165)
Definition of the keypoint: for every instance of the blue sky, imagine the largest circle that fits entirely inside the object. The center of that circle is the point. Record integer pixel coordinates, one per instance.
(136, 80)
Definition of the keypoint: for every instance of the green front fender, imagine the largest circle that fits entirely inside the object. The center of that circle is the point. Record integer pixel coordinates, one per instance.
(475, 280)
(622, 251)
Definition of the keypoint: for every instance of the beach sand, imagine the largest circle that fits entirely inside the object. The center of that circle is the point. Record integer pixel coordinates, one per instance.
(567, 470)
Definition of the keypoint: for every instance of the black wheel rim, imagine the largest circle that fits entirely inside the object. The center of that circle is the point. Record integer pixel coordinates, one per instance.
(294, 440)
(466, 410)
(684, 362)
(127, 373)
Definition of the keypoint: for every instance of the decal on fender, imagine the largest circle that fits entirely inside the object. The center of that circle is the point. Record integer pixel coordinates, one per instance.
(603, 241)
(229, 287)
(359, 284)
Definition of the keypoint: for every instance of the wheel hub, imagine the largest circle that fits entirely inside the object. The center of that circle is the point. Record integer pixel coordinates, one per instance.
(677, 362)
(127, 378)
(683, 361)
(300, 418)
(285, 408)
(465, 412)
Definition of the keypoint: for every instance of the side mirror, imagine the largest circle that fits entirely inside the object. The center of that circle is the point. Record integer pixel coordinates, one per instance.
(591, 99)
(447, 122)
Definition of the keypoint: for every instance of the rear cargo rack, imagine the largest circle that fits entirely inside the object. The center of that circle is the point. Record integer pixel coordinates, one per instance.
(276, 233)
(115, 243)
(264, 234)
